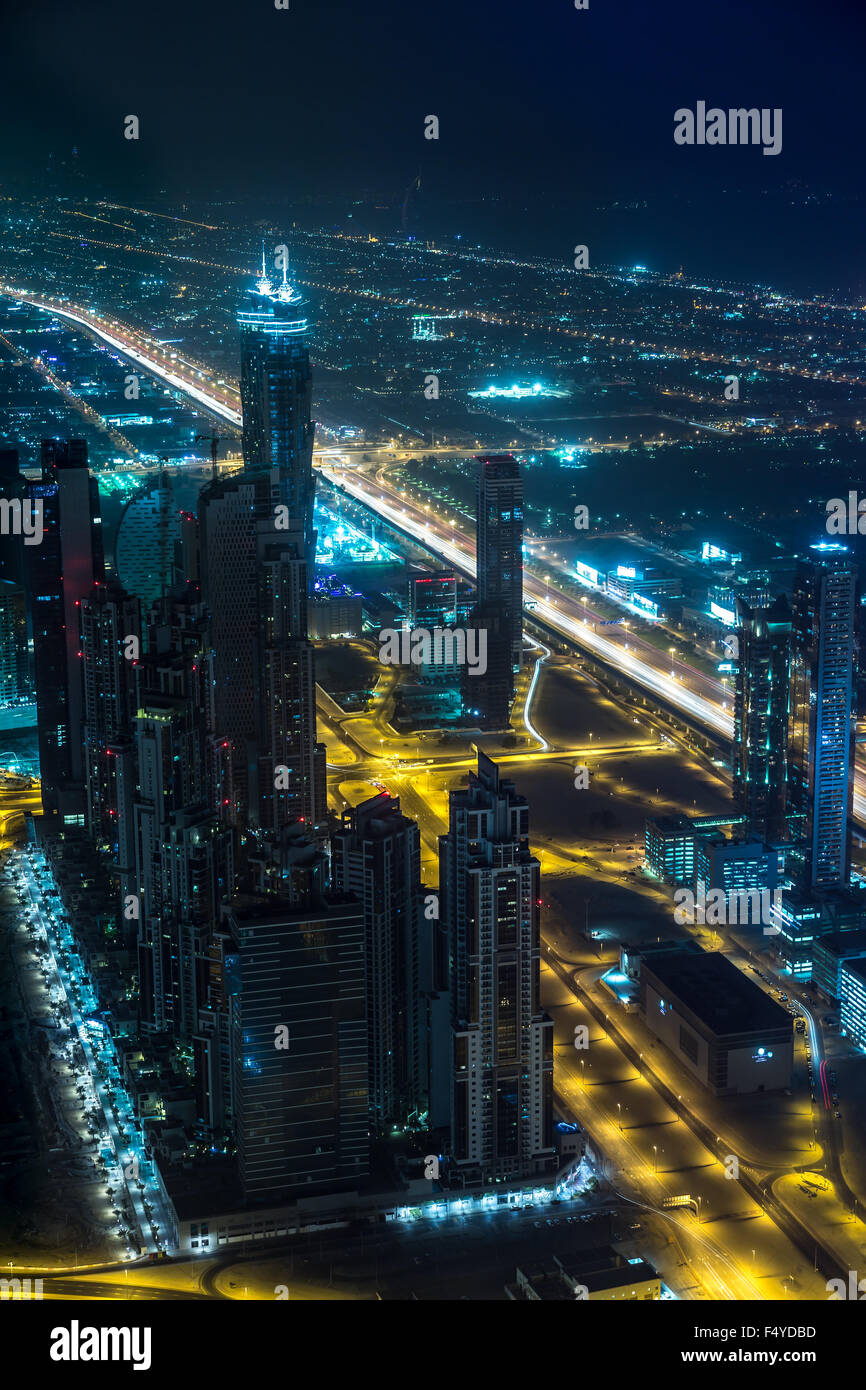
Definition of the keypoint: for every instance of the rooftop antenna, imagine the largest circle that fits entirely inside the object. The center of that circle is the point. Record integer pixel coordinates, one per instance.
(264, 281)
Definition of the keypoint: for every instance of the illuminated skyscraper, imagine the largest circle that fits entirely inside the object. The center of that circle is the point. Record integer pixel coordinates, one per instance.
(296, 995)
(276, 399)
(433, 603)
(759, 761)
(254, 586)
(499, 520)
(257, 554)
(490, 903)
(62, 571)
(15, 686)
(377, 856)
(183, 845)
(487, 698)
(109, 617)
(822, 719)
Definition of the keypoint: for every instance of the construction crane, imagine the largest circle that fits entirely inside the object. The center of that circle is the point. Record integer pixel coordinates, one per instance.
(214, 447)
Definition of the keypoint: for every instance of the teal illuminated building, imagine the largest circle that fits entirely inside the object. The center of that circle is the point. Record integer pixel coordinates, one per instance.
(276, 397)
(853, 1010)
(759, 757)
(670, 848)
(820, 778)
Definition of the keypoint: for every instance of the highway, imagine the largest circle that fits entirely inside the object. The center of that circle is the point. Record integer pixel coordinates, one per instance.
(120, 1130)
(563, 613)
(568, 616)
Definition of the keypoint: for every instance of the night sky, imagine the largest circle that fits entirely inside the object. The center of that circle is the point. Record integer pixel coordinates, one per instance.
(548, 116)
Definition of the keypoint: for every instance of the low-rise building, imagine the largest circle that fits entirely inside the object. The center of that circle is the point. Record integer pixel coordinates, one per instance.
(590, 1275)
(670, 848)
(725, 1030)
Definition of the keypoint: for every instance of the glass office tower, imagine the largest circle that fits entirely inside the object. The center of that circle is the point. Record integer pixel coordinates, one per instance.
(822, 719)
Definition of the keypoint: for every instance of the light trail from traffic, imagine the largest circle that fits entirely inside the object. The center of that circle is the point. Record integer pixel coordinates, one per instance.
(457, 549)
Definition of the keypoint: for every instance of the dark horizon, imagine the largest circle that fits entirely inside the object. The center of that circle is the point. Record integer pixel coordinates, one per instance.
(554, 128)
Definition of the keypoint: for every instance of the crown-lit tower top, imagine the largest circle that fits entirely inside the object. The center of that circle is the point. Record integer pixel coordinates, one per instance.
(277, 396)
(277, 309)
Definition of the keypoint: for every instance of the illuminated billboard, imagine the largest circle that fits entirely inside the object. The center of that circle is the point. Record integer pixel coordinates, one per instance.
(587, 573)
(724, 615)
(641, 601)
(715, 552)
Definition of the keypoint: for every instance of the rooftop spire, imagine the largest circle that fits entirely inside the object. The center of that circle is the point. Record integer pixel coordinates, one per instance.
(264, 281)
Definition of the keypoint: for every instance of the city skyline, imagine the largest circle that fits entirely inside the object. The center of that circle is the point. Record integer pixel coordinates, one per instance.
(432, 696)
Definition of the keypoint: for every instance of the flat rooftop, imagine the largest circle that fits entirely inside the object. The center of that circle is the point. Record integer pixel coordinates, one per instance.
(715, 991)
(857, 967)
(671, 825)
(842, 943)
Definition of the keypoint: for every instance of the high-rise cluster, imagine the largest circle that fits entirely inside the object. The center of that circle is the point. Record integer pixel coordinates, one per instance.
(323, 994)
(499, 609)
(793, 750)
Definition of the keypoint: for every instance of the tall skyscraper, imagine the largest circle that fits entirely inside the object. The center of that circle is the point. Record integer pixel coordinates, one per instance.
(212, 1058)
(62, 571)
(499, 521)
(489, 893)
(109, 617)
(759, 755)
(822, 719)
(277, 395)
(257, 553)
(184, 848)
(15, 685)
(296, 992)
(377, 857)
(487, 698)
(254, 586)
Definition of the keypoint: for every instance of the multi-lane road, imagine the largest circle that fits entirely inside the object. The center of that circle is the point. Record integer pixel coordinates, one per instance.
(678, 684)
(128, 1163)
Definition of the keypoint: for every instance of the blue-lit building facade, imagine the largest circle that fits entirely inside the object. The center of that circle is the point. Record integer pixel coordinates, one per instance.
(258, 544)
(852, 1013)
(277, 396)
(759, 754)
(61, 572)
(822, 719)
(831, 955)
(670, 849)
